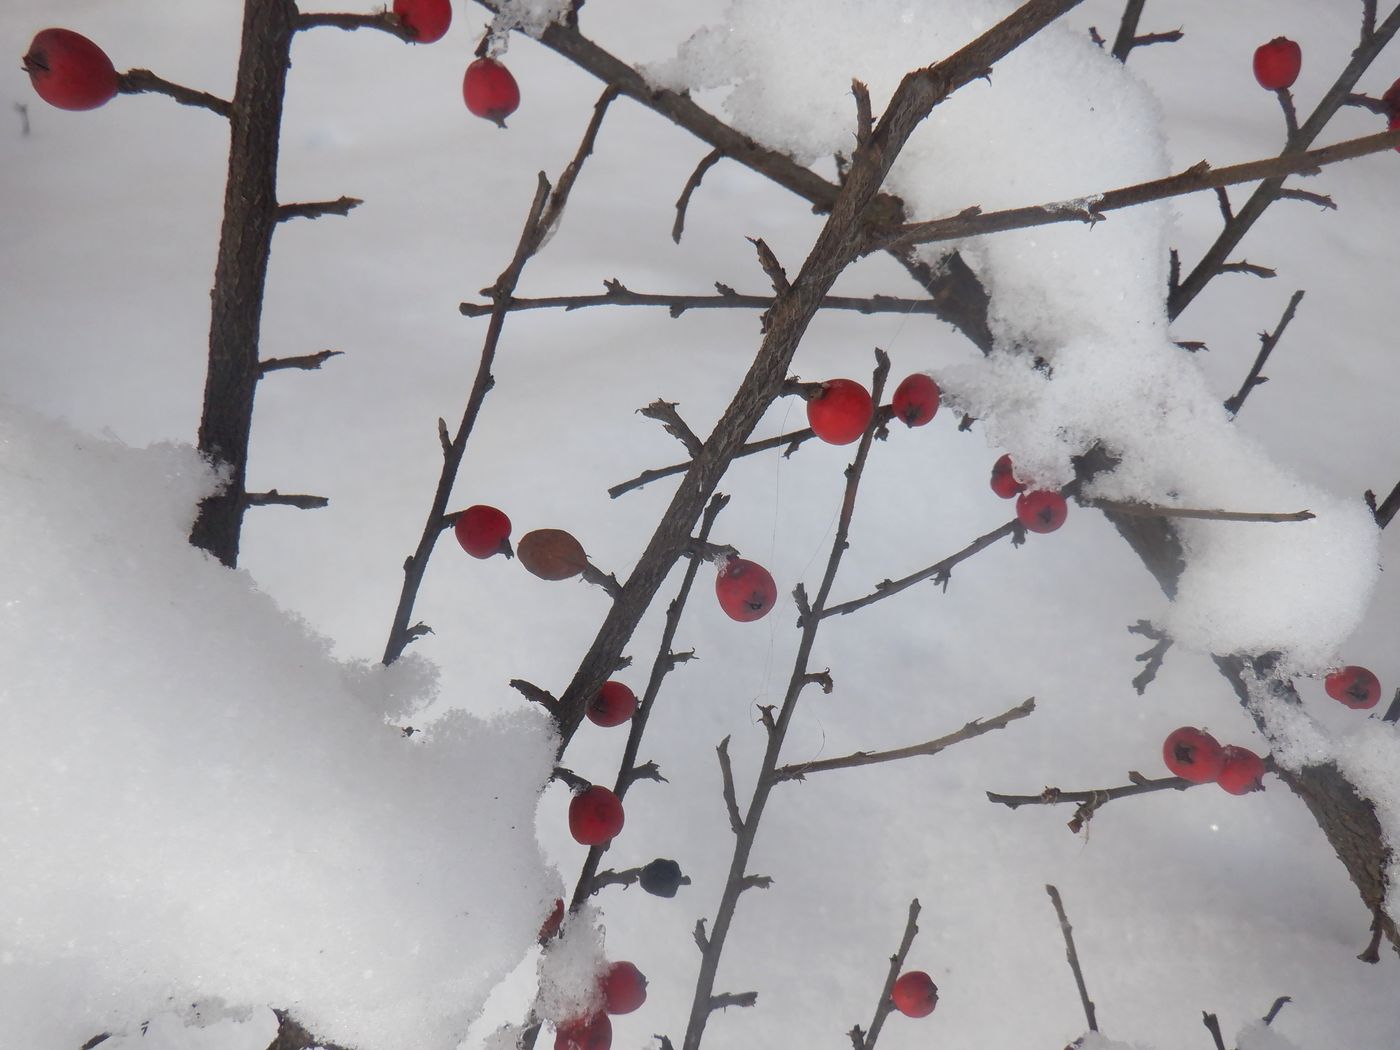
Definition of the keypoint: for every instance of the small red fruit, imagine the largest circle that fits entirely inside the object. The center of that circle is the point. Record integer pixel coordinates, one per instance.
(553, 921)
(490, 91)
(1193, 755)
(1356, 687)
(585, 1033)
(1241, 770)
(1041, 511)
(428, 19)
(69, 71)
(916, 399)
(745, 590)
(841, 412)
(1004, 483)
(1277, 63)
(595, 816)
(624, 988)
(482, 531)
(915, 994)
(613, 705)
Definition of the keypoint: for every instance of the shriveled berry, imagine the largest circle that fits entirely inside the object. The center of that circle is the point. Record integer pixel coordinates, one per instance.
(624, 988)
(915, 994)
(745, 590)
(1241, 770)
(661, 877)
(585, 1033)
(1277, 63)
(1354, 686)
(483, 531)
(69, 71)
(428, 19)
(490, 91)
(916, 399)
(1193, 755)
(595, 816)
(841, 412)
(1004, 483)
(553, 921)
(551, 554)
(614, 704)
(1042, 510)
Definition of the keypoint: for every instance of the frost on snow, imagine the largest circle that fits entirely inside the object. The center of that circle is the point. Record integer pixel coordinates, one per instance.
(1088, 301)
(198, 804)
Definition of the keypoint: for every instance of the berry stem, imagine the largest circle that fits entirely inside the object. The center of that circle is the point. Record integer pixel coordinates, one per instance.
(140, 81)
(1073, 956)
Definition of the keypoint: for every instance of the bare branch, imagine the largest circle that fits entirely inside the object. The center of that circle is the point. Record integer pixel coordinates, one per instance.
(1073, 957)
(731, 803)
(554, 210)
(1279, 1004)
(1151, 658)
(273, 498)
(1124, 42)
(1223, 196)
(865, 122)
(141, 81)
(1153, 510)
(725, 1000)
(770, 264)
(864, 1041)
(1245, 266)
(691, 185)
(315, 209)
(1368, 19)
(1290, 115)
(618, 294)
(535, 694)
(385, 21)
(1091, 801)
(1388, 508)
(1320, 199)
(664, 412)
(1212, 1024)
(309, 362)
(1171, 36)
(1267, 340)
(970, 731)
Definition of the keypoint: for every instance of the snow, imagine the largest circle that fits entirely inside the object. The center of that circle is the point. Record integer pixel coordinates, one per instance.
(194, 797)
(211, 752)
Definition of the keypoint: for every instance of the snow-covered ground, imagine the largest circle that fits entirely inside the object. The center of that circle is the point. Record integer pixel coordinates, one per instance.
(200, 798)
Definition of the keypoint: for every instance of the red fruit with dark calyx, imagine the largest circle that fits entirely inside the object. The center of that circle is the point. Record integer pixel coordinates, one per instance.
(624, 988)
(1241, 770)
(595, 816)
(1391, 98)
(1193, 755)
(428, 19)
(1277, 63)
(551, 924)
(916, 400)
(915, 994)
(490, 91)
(1041, 511)
(69, 71)
(841, 412)
(1356, 687)
(483, 531)
(745, 590)
(614, 704)
(1004, 482)
(586, 1033)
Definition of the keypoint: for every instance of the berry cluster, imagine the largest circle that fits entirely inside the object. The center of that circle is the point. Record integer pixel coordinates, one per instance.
(622, 988)
(1195, 755)
(1039, 510)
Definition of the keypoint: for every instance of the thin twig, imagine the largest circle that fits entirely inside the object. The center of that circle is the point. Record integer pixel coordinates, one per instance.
(618, 294)
(1322, 200)
(1279, 1004)
(973, 729)
(1245, 266)
(1052, 796)
(664, 412)
(1073, 957)
(307, 362)
(937, 572)
(1290, 114)
(140, 81)
(973, 222)
(731, 803)
(1151, 659)
(691, 185)
(1385, 513)
(1153, 510)
(1368, 19)
(1127, 30)
(866, 1041)
(315, 209)
(1212, 1024)
(273, 498)
(385, 21)
(1267, 341)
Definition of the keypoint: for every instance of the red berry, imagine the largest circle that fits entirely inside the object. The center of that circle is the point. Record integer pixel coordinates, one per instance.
(915, 994)
(1041, 511)
(1241, 771)
(69, 71)
(1356, 687)
(551, 924)
(585, 1033)
(916, 399)
(490, 91)
(1004, 483)
(624, 988)
(1193, 755)
(745, 590)
(613, 705)
(1277, 63)
(595, 816)
(428, 19)
(482, 531)
(841, 412)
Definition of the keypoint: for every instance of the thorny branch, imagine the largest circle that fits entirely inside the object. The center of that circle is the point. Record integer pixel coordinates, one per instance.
(1073, 957)
(1267, 341)
(866, 1040)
